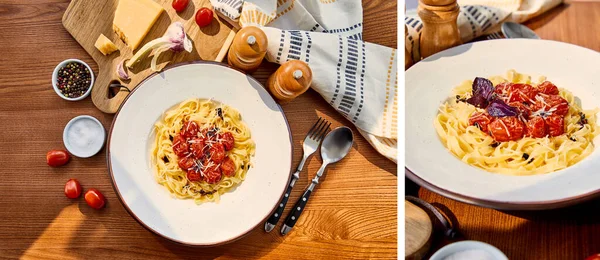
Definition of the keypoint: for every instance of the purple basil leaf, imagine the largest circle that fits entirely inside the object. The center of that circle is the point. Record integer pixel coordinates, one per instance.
(498, 108)
(482, 92)
(478, 101)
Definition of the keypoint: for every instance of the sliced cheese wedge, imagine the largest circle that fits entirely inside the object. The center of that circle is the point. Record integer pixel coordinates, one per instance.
(105, 45)
(134, 18)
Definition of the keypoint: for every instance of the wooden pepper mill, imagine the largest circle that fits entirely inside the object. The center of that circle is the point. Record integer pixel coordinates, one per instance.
(248, 49)
(407, 58)
(440, 30)
(290, 80)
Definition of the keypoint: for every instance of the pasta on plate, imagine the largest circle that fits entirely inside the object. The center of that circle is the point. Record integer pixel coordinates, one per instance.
(512, 125)
(202, 149)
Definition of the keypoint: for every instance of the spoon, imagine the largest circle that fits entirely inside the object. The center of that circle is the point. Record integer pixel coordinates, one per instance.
(335, 147)
(516, 30)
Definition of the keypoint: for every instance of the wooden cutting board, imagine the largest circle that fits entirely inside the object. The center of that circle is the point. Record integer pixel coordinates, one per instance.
(418, 231)
(87, 19)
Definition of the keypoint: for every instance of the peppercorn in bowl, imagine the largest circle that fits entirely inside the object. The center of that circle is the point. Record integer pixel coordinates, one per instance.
(72, 79)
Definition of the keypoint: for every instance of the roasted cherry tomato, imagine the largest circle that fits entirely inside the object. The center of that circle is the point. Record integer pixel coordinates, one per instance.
(179, 5)
(197, 147)
(190, 129)
(508, 128)
(481, 120)
(524, 109)
(186, 163)
(204, 17)
(94, 198)
(72, 189)
(228, 167)
(212, 174)
(521, 93)
(180, 146)
(548, 88)
(227, 140)
(194, 175)
(556, 125)
(551, 105)
(217, 152)
(516, 92)
(56, 158)
(536, 127)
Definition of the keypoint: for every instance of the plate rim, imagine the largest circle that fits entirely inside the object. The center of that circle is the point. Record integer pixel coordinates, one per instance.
(118, 193)
(498, 204)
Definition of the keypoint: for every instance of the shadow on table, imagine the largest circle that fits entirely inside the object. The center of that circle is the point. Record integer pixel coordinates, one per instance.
(255, 245)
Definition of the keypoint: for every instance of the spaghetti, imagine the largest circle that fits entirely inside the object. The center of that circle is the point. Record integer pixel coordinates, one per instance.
(202, 150)
(515, 128)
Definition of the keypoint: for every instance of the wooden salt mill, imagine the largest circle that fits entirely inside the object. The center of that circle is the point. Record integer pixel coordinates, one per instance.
(290, 80)
(440, 30)
(248, 49)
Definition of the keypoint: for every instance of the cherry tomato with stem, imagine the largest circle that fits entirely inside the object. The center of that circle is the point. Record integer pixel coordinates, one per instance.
(180, 5)
(204, 17)
(94, 198)
(56, 158)
(72, 189)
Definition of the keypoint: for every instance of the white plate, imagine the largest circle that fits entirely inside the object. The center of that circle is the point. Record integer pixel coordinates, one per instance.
(429, 83)
(240, 210)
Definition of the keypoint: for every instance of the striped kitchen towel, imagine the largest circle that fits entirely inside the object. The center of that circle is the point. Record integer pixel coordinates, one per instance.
(357, 78)
(479, 17)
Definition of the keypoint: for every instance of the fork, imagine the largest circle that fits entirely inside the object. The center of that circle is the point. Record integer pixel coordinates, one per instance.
(309, 146)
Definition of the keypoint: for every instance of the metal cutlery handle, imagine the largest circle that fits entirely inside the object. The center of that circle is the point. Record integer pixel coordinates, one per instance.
(298, 208)
(296, 211)
(272, 221)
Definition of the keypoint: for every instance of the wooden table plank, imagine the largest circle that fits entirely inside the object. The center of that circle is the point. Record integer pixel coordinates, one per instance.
(352, 214)
(569, 233)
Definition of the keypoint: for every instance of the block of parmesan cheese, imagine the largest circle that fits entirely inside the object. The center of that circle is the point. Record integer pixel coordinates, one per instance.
(105, 45)
(134, 18)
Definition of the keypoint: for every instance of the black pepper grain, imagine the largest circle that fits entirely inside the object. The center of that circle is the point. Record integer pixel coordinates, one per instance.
(73, 79)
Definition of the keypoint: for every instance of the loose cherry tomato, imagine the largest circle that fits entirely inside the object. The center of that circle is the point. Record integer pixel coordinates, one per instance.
(536, 127)
(179, 5)
(56, 158)
(481, 120)
(94, 198)
(593, 257)
(194, 175)
(227, 141)
(197, 147)
(212, 174)
(72, 189)
(556, 125)
(551, 104)
(548, 88)
(507, 128)
(228, 167)
(180, 146)
(217, 152)
(204, 17)
(186, 163)
(189, 129)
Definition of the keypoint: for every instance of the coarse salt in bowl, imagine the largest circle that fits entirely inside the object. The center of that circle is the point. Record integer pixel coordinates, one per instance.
(84, 136)
(55, 79)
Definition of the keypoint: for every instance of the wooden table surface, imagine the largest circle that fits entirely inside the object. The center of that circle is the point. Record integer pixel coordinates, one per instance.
(351, 215)
(571, 233)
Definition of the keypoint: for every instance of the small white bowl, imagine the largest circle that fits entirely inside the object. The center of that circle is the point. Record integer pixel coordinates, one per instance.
(55, 78)
(85, 152)
(450, 249)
